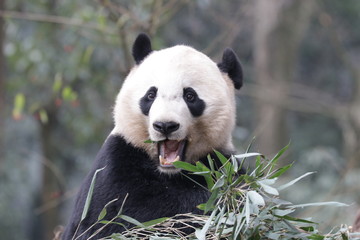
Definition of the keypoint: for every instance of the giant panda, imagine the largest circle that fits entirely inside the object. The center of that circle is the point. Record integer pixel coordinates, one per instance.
(185, 104)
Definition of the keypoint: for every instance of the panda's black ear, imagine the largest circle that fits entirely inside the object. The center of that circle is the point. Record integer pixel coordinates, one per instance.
(231, 65)
(141, 47)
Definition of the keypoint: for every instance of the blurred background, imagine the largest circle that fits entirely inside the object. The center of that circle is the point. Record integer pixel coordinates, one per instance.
(62, 63)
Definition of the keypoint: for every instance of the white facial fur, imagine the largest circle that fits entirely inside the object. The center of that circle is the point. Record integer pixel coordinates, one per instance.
(170, 71)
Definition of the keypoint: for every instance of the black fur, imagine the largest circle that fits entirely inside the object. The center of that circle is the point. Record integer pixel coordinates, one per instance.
(231, 65)
(147, 100)
(151, 194)
(141, 48)
(196, 105)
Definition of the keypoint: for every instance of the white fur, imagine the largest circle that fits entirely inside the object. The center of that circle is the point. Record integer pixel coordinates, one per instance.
(171, 70)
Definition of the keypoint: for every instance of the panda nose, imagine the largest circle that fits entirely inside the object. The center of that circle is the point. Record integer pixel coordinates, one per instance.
(166, 127)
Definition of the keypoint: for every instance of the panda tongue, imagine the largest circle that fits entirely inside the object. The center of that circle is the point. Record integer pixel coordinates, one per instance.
(171, 150)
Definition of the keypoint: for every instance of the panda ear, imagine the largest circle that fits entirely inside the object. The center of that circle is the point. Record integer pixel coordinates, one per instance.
(231, 65)
(141, 48)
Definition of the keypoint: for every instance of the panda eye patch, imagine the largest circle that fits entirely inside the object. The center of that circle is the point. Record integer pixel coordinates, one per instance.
(147, 100)
(195, 104)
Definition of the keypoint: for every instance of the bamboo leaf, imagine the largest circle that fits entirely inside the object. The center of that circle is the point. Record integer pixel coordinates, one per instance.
(283, 212)
(202, 167)
(221, 157)
(89, 195)
(104, 211)
(102, 214)
(281, 171)
(155, 222)
(316, 237)
(201, 234)
(219, 183)
(246, 155)
(111, 222)
(132, 220)
(186, 166)
(282, 187)
(235, 163)
(286, 217)
(210, 203)
(277, 156)
(265, 186)
(335, 204)
(211, 162)
(256, 198)
(247, 210)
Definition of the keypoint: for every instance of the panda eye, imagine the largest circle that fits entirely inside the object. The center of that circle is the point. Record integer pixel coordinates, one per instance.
(190, 97)
(151, 96)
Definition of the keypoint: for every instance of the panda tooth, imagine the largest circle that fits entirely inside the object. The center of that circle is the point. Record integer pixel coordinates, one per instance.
(162, 160)
(177, 159)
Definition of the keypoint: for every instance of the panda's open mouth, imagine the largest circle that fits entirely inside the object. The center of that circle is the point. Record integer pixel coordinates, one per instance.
(171, 151)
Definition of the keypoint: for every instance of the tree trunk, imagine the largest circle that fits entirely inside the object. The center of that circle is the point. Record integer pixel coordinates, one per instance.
(50, 191)
(51, 188)
(2, 85)
(279, 27)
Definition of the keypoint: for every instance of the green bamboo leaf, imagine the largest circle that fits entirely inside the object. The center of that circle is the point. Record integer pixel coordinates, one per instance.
(256, 198)
(283, 212)
(186, 166)
(246, 155)
(89, 195)
(102, 214)
(202, 167)
(221, 157)
(316, 237)
(247, 210)
(122, 205)
(289, 218)
(281, 171)
(277, 156)
(201, 234)
(111, 222)
(211, 162)
(335, 204)
(132, 221)
(201, 206)
(219, 183)
(154, 222)
(204, 173)
(104, 211)
(308, 228)
(265, 186)
(282, 187)
(210, 203)
(235, 163)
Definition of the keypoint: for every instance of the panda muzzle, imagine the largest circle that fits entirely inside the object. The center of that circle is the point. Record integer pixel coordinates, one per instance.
(170, 151)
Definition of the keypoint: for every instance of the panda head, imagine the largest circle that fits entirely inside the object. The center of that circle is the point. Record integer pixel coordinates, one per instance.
(179, 99)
